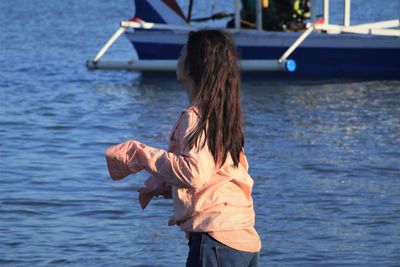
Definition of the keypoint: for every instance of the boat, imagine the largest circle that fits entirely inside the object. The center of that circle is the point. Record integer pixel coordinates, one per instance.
(322, 50)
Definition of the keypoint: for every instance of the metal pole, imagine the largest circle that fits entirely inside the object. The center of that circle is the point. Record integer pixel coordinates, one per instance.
(170, 65)
(237, 14)
(259, 15)
(346, 14)
(109, 43)
(189, 16)
(326, 11)
(299, 40)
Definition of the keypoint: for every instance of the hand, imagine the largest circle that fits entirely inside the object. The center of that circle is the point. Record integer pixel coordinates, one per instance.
(153, 188)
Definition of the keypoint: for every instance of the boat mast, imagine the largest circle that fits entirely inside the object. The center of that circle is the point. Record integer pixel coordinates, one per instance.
(258, 15)
(346, 14)
(189, 16)
(237, 14)
(326, 11)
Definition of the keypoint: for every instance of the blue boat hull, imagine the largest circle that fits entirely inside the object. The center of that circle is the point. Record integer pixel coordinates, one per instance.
(320, 55)
(311, 61)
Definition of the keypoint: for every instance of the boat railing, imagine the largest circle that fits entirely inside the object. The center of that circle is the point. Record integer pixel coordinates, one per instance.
(170, 65)
(323, 26)
(375, 28)
(382, 28)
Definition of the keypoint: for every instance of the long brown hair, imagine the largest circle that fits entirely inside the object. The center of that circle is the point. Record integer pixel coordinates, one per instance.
(212, 64)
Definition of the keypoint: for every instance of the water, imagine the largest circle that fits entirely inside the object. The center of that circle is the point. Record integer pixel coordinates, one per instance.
(324, 155)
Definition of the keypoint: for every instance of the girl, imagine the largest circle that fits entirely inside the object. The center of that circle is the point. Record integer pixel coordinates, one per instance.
(205, 169)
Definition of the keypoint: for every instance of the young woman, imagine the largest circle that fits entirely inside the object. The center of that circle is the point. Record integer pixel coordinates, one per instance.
(205, 169)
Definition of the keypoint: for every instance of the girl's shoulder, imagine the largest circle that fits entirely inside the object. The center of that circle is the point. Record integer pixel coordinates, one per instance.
(192, 111)
(190, 116)
(187, 121)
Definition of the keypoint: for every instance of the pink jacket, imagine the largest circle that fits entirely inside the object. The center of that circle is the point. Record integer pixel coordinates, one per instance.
(206, 198)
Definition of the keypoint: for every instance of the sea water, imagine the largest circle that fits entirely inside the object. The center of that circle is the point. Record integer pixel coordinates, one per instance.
(324, 155)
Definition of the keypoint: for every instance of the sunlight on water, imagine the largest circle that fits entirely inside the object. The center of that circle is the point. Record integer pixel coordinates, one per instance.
(324, 155)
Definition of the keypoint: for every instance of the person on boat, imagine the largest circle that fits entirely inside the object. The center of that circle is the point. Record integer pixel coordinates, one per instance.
(205, 169)
(277, 15)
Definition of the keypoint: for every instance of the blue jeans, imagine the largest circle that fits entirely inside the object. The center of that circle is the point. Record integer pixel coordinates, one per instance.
(205, 251)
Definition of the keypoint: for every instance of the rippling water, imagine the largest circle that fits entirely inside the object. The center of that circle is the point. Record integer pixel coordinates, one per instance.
(324, 155)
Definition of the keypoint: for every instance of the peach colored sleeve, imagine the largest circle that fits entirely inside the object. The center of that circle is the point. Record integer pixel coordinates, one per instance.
(121, 160)
(191, 168)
